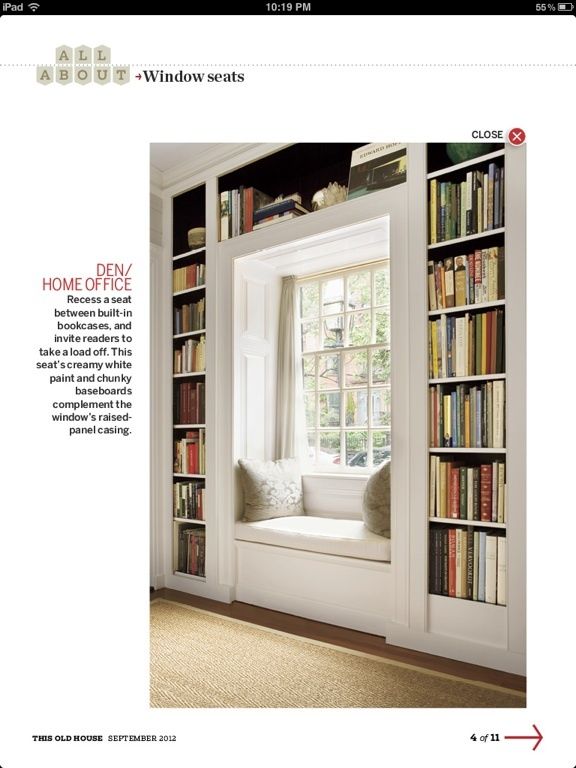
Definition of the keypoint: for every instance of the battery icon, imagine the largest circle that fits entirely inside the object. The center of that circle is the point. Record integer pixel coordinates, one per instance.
(565, 7)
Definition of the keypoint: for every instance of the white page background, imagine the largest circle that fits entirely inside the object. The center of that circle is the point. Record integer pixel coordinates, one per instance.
(74, 536)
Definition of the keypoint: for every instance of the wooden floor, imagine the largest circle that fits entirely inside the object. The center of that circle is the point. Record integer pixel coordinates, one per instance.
(348, 638)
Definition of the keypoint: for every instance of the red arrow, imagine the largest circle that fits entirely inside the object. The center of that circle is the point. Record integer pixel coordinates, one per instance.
(538, 737)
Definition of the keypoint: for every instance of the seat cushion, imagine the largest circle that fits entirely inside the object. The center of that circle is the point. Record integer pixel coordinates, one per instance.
(347, 538)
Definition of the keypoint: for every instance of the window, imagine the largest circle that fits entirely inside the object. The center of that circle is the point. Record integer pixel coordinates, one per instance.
(344, 321)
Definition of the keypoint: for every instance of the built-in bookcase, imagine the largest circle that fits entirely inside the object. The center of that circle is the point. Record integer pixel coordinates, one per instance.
(467, 397)
(188, 334)
(459, 344)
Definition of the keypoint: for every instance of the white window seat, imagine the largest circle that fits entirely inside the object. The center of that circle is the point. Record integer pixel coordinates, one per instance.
(346, 538)
(324, 565)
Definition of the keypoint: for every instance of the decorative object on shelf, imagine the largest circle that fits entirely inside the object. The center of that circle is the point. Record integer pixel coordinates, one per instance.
(330, 195)
(461, 152)
(376, 501)
(197, 237)
(271, 489)
(376, 166)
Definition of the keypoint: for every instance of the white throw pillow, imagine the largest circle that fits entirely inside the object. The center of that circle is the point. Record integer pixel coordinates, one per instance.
(271, 489)
(376, 501)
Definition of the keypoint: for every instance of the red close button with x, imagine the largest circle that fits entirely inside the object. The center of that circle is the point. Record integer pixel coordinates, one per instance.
(516, 136)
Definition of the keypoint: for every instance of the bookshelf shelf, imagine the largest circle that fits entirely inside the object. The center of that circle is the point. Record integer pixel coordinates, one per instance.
(191, 373)
(466, 239)
(189, 333)
(185, 255)
(476, 523)
(466, 164)
(467, 308)
(189, 520)
(471, 379)
(188, 291)
(191, 576)
(467, 450)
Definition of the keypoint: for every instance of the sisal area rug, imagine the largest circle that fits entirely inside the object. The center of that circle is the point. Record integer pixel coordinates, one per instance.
(200, 659)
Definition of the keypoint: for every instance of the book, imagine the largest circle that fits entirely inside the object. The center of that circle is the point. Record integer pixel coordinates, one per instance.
(253, 200)
(432, 303)
(449, 281)
(280, 206)
(286, 216)
(501, 571)
(482, 566)
(376, 166)
(460, 282)
(224, 215)
(491, 567)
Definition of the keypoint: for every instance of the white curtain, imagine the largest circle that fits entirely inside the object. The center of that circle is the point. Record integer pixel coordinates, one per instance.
(290, 419)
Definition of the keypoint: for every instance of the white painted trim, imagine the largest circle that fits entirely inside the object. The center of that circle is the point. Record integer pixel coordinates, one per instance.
(417, 542)
(456, 648)
(515, 325)
(156, 519)
(309, 608)
(221, 592)
(338, 590)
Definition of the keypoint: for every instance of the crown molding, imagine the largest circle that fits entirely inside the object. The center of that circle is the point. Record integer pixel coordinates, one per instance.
(155, 180)
(203, 162)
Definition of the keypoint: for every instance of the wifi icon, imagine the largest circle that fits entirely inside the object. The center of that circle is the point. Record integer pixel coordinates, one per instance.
(34, 7)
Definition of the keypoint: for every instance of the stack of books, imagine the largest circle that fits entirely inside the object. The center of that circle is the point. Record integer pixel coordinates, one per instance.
(246, 209)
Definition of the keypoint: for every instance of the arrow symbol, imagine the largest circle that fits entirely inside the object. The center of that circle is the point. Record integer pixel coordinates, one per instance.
(139, 76)
(538, 737)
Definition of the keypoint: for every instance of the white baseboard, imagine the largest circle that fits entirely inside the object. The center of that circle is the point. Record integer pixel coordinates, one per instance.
(457, 648)
(313, 609)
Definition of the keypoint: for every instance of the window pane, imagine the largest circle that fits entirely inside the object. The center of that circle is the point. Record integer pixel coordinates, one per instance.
(329, 409)
(359, 329)
(333, 331)
(382, 287)
(329, 448)
(355, 368)
(380, 366)
(347, 389)
(356, 449)
(381, 407)
(328, 371)
(333, 296)
(310, 336)
(309, 305)
(310, 407)
(382, 321)
(359, 290)
(357, 408)
(309, 367)
(380, 447)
